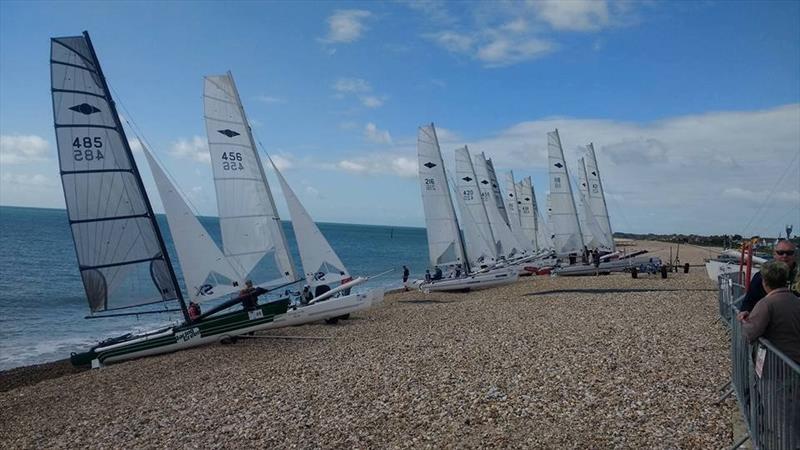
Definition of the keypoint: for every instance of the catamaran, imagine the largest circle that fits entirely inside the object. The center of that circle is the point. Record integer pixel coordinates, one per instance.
(248, 211)
(120, 250)
(445, 243)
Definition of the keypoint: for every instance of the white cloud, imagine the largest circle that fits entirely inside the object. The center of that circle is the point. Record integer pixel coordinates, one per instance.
(360, 89)
(787, 198)
(312, 192)
(574, 15)
(373, 134)
(503, 51)
(346, 26)
(21, 149)
(506, 33)
(370, 101)
(195, 149)
(351, 86)
(282, 162)
(36, 180)
(453, 41)
(380, 164)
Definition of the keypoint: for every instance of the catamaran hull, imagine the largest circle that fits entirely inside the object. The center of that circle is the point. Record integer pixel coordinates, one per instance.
(328, 309)
(717, 268)
(477, 281)
(214, 329)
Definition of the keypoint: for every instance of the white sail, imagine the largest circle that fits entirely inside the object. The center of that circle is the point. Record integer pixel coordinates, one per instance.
(251, 228)
(206, 271)
(507, 245)
(597, 197)
(593, 236)
(320, 263)
(121, 256)
(512, 209)
(498, 196)
(444, 238)
(527, 212)
(477, 231)
(567, 235)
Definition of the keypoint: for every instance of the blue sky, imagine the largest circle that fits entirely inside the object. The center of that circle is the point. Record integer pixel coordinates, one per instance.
(694, 107)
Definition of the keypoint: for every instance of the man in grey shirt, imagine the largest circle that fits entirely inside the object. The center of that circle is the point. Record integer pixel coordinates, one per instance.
(777, 316)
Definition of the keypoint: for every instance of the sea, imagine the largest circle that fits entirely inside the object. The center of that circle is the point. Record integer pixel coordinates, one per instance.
(43, 306)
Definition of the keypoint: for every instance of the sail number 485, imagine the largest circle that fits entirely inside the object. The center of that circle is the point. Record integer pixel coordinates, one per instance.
(87, 148)
(232, 161)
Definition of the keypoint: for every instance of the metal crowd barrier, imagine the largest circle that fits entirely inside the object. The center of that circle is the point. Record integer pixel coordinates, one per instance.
(765, 381)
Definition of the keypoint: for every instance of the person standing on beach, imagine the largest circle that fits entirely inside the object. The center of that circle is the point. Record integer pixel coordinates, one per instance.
(405, 277)
(776, 317)
(786, 252)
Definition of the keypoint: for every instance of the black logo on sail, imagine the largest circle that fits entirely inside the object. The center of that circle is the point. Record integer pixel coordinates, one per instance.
(559, 165)
(85, 108)
(484, 182)
(467, 179)
(228, 132)
(429, 165)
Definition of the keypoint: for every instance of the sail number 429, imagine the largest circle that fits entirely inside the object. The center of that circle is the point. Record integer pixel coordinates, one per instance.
(87, 148)
(232, 161)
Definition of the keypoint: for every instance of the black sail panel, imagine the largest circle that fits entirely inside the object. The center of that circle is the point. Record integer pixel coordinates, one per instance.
(121, 256)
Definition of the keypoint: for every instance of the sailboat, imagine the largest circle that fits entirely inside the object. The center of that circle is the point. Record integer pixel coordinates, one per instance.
(567, 235)
(445, 243)
(249, 218)
(597, 198)
(120, 250)
(593, 236)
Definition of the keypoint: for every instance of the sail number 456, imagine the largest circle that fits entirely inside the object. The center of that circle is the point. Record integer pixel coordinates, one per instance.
(232, 161)
(87, 148)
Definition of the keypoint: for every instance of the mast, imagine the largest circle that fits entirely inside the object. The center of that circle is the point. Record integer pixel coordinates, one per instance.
(137, 176)
(277, 218)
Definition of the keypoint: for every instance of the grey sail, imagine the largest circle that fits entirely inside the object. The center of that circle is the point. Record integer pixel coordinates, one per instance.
(121, 255)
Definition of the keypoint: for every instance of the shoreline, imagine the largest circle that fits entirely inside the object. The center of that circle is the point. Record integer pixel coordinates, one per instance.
(593, 362)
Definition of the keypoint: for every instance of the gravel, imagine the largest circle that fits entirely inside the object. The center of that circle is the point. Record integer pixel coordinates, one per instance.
(533, 364)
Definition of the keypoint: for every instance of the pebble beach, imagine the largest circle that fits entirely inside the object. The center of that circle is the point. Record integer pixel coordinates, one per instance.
(547, 362)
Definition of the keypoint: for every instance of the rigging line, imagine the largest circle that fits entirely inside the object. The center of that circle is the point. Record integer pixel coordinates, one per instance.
(769, 196)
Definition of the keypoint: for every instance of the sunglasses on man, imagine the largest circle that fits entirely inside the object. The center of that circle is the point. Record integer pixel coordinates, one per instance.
(784, 252)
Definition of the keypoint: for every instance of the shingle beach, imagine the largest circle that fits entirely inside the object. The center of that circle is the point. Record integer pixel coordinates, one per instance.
(584, 362)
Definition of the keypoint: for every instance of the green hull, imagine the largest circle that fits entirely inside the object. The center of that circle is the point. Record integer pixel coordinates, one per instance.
(183, 336)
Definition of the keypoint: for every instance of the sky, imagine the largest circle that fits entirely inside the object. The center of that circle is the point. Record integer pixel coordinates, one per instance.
(693, 107)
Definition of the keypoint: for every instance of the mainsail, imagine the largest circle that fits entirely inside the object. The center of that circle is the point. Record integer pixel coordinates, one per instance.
(527, 211)
(477, 231)
(122, 258)
(512, 209)
(597, 197)
(444, 238)
(593, 236)
(567, 237)
(320, 263)
(206, 271)
(251, 227)
(507, 245)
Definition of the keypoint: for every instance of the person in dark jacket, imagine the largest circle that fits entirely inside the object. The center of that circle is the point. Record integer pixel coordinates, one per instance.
(785, 251)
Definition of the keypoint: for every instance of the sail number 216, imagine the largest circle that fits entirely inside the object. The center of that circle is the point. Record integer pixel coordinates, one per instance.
(232, 161)
(87, 148)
